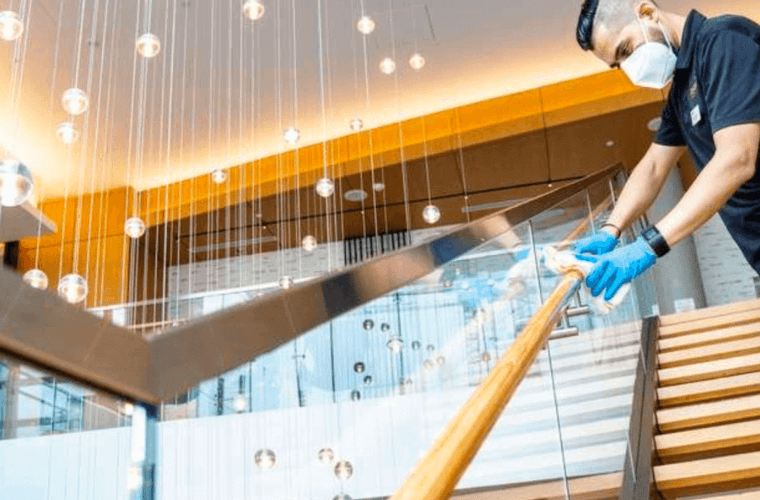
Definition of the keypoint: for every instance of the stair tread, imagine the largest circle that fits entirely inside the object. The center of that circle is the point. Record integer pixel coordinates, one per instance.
(693, 392)
(709, 439)
(708, 338)
(719, 412)
(747, 495)
(709, 369)
(708, 475)
(716, 351)
(708, 312)
(710, 324)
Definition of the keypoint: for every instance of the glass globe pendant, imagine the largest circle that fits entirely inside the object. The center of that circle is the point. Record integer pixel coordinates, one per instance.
(417, 61)
(218, 176)
(431, 214)
(134, 227)
(240, 403)
(67, 132)
(16, 183)
(72, 288)
(11, 26)
(265, 458)
(344, 469)
(395, 344)
(286, 282)
(365, 25)
(309, 243)
(326, 455)
(387, 66)
(325, 187)
(356, 124)
(36, 278)
(291, 135)
(253, 10)
(75, 101)
(148, 45)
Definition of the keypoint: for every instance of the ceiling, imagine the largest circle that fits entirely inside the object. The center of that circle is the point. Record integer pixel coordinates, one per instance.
(183, 113)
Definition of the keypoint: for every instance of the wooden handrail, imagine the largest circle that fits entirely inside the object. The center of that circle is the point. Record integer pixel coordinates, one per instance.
(438, 472)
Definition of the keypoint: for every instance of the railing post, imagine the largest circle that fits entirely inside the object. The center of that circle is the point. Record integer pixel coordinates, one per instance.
(143, 453)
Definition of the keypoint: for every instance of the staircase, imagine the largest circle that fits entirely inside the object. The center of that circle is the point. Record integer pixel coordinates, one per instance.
(707, 439)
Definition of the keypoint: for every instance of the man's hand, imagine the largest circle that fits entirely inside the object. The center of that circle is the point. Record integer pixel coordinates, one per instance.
(621, 266)
(600, 243)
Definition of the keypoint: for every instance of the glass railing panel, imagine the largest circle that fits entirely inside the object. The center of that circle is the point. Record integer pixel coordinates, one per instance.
(61, 440)
(380, 382)
(375, 386)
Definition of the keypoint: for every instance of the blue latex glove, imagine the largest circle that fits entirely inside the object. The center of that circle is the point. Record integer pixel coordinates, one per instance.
(600, 243)
(621, 266)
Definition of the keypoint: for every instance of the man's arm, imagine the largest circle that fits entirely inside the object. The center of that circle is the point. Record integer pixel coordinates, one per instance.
(644, 185)
(733, 165)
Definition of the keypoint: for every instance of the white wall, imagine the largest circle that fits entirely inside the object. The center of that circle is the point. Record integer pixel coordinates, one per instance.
(726, 275)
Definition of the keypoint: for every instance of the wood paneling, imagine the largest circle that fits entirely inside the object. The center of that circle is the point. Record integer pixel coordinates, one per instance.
(521, 116)
(103, 262)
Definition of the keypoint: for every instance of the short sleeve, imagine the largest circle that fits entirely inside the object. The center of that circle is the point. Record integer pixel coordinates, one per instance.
(669, 133)
(730, 74)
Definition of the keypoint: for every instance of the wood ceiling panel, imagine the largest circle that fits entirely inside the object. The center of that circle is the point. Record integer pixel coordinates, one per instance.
(508, 163)
(577, 149)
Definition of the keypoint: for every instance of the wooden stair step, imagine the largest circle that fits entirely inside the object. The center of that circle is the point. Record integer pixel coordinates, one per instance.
(747, 495)
(713, 352)
(709, 312)
(709, 390)
(710, 318)
(709, 475)
(709, 370)
(711, 441)
(709, 338)
(705, 414)
(738, 319)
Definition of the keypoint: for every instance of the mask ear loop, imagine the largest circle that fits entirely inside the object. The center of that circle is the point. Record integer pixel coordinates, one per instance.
(643, 29)
(667, 40)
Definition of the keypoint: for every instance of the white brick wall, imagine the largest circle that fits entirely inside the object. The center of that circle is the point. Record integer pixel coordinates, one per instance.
(726, 275)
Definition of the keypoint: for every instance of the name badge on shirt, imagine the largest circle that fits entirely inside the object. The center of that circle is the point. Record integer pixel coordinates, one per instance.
(696, 115)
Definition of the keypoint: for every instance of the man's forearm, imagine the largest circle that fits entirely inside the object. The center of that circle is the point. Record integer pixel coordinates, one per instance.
(639, 193)
(717, 182)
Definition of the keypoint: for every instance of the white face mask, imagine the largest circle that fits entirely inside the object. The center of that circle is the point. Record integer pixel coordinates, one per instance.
(652, 64)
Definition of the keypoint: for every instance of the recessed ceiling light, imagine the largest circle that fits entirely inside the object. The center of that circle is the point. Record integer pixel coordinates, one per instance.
(609, 144)
(355, 195)
(654, 124)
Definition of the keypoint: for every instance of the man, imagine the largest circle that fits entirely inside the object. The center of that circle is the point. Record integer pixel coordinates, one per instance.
(713, 108)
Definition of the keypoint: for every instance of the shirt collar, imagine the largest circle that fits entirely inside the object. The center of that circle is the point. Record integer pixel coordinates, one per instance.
(688, 38)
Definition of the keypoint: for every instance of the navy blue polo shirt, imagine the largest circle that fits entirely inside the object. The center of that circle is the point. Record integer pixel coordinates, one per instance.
(716, 85)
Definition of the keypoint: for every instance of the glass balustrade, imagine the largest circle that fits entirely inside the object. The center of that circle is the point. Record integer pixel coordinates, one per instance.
(349, 407)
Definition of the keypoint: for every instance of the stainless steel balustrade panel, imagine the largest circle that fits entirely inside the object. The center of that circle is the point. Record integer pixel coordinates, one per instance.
(42, 330)
(38, 328)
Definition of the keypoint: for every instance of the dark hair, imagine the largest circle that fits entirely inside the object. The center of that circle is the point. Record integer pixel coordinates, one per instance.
(586, 24)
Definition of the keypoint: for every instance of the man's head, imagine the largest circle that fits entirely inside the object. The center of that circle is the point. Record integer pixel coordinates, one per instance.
(612, 29)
